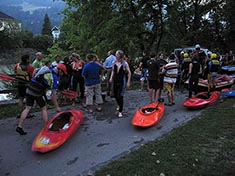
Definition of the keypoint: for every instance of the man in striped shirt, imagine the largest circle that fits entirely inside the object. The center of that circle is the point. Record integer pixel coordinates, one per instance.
(171, 72)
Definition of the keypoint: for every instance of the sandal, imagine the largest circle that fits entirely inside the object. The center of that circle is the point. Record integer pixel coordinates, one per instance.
(90, 110)
(99, 109)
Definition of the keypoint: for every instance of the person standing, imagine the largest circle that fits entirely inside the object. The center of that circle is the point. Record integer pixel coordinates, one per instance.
(201, 56)
(91, 73)
(37, 63)
(120, 81)
(108, 64)
(77, 66)
(39, 84)
(185, 67)
(213, 69)
(195, 69)
(170, 75)
(153, 78)
(143, 68)
(57, 61)
(161, 62)
(24, 72)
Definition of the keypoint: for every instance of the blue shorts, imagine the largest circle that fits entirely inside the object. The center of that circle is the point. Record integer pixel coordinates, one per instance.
(144, 74)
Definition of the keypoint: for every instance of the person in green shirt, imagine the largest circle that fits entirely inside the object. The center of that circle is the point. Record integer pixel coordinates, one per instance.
(38, 60)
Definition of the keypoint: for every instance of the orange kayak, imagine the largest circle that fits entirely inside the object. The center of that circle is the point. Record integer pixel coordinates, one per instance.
(148, 115)
(201, 100)
(57, 131)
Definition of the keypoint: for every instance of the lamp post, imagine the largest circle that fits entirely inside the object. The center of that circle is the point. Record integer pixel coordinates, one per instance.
(55, 33)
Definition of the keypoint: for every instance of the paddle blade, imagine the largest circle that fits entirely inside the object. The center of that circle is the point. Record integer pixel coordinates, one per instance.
(70, 94)
(5, 77)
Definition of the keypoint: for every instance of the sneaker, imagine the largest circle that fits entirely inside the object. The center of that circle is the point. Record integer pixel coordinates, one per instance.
(120, 115)
(20, 131)
(117, 109)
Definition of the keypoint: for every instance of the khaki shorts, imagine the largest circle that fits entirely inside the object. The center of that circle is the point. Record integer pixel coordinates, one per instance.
(91, 91)
(169, 87)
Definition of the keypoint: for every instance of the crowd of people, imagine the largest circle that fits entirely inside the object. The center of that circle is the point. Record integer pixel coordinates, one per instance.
(161, 73)
(71, 73)
(84, 76)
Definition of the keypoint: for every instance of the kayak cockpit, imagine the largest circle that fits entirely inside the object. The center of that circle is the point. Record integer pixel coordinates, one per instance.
(61, 122)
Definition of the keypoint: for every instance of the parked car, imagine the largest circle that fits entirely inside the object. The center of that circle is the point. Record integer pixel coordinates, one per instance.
(191, 49)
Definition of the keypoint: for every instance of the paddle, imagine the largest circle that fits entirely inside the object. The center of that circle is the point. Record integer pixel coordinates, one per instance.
(149, 110)
(69, 94)
(5, 77)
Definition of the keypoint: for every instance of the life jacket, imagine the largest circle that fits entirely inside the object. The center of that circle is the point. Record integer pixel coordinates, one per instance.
(22, 72)
(196, 68)
(215, 65)
(42, 80)
(186, 63)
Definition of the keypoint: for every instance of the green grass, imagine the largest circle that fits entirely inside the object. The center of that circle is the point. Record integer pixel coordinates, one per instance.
(203, 146)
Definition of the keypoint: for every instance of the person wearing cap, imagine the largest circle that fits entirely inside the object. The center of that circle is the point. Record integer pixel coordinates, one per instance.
(185, 67)
(213, 69)
(45, 78)
(201, 56)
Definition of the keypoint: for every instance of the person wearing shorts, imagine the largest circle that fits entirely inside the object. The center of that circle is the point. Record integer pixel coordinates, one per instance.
(40, 83)
(91, 73)
(153, 78)
(171, 73)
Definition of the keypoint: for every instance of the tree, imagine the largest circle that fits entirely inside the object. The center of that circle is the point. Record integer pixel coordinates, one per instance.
(101, 25)
(46, 27)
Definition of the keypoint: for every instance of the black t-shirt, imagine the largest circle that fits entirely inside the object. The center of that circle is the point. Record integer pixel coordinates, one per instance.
(153, 69)
(144, 61)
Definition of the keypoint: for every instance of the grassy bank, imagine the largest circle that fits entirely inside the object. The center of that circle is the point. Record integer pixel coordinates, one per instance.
(203, 146)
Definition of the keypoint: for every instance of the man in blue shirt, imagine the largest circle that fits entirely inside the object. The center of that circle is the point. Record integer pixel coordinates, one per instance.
(91, 73)
(108, 64)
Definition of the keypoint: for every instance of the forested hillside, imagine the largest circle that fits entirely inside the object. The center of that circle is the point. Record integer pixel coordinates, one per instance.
(31, 12)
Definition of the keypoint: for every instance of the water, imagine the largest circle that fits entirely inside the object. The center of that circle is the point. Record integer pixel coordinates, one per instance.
(4, 97)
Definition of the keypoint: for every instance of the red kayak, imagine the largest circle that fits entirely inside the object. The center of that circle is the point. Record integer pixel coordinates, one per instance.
(201, 100)
(221, 82)
(148, 115)
(57, 131)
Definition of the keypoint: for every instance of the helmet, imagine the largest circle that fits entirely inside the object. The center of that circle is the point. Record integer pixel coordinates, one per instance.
(62, 67)
(209, 53)
(182, 52)
(197, 46)
(213, 56)
(185, 55)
